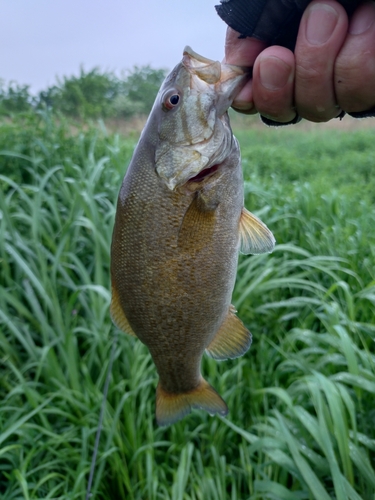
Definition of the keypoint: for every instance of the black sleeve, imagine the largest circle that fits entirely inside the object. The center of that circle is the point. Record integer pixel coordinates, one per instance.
(275, 22)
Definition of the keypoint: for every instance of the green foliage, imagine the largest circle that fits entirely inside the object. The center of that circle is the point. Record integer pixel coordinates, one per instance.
(301, 421)
(38, 137)
(14, 98)
(327, 161)
(139, 90)
(89, 95)
(92, 94)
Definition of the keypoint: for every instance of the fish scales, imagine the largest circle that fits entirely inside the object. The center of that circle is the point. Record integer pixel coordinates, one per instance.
(177, 235)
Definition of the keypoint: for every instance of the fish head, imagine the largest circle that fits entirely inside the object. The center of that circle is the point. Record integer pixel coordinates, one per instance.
(192, 121)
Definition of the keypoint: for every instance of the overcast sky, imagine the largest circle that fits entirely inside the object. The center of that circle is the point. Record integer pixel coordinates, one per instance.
(42, 39)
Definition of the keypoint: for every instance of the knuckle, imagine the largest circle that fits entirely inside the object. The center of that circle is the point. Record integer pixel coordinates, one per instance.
(306, 72)
(314, 94)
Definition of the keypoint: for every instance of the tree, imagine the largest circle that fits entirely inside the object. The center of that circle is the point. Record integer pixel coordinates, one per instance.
(15, 98)
(90, 95)
(139, 89)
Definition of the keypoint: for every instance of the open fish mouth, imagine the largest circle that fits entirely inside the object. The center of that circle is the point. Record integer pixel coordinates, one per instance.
(205, 69)
(188, 51)
(227, 78)
(206, 172)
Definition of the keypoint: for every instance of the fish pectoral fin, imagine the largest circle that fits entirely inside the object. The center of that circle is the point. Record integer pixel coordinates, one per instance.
(232, 340)
(173, 407)
(118, 315)
(255, 236)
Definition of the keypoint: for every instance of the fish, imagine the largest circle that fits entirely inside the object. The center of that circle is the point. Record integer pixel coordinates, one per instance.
(179, 226)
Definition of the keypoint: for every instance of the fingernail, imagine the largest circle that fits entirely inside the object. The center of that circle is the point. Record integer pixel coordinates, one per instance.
(274, 73)
(361, 23)
(321, 22)
(242, 106)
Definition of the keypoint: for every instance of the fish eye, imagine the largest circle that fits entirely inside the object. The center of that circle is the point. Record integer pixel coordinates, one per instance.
(171, 100)
(174, 99)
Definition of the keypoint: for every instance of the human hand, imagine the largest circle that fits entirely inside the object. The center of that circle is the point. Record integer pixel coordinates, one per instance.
(332, 69)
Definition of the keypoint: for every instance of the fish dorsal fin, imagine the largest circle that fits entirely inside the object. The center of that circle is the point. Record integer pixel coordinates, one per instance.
(255, 236)
(118, 315)
(232, 340)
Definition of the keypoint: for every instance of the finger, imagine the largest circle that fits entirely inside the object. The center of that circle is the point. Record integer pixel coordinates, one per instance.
(242, 52)
(273, 84)
(355, 64)
(321, 34)
(244, 102)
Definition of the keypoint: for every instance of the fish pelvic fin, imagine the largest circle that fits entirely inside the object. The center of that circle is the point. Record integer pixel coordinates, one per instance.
(197, 226)
(118, 315)
(232, 340)
(255, 236)
(173, 407)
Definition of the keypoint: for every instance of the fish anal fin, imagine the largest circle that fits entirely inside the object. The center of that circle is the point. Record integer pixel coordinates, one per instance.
(118, 315)
(255, 236)
(232, 340)
(173, 407)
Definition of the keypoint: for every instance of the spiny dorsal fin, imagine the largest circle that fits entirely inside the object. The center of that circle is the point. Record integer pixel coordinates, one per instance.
(232, 340)
(117, 314)
(255, 236)
(173, 407)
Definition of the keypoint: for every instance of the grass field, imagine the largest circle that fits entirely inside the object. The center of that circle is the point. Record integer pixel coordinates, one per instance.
(302, 414)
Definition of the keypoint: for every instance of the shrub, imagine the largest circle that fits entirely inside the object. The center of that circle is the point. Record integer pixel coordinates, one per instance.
(90, 95)
(15, 98)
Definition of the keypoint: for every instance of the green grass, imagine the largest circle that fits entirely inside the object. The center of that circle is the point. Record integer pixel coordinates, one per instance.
(302, 413)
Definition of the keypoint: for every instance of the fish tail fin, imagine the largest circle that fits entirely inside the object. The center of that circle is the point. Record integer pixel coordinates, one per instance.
(173, 407)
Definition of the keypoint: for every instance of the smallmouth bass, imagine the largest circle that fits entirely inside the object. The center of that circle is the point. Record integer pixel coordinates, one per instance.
(180, 224)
